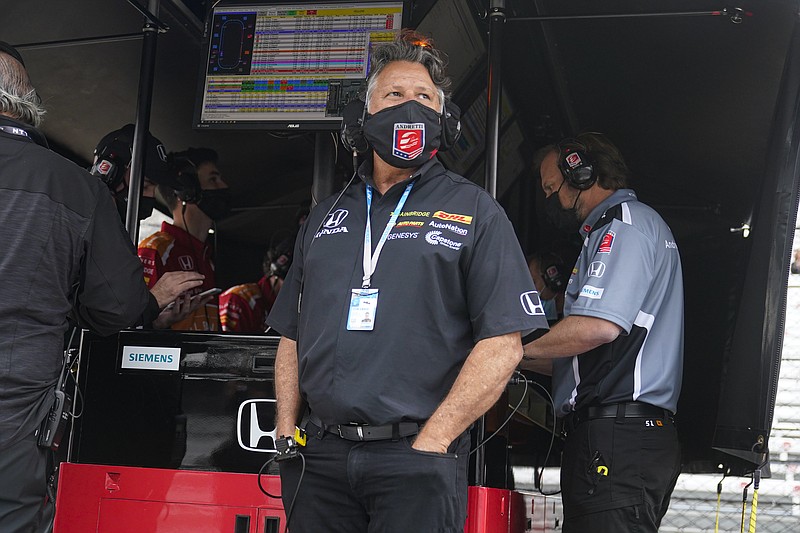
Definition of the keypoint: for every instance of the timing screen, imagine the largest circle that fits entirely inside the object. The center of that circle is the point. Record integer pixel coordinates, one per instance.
(277, 62)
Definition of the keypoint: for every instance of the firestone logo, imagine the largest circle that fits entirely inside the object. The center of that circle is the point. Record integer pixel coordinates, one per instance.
(435, 238)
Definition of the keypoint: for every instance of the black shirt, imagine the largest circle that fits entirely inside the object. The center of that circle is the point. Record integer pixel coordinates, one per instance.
(451, 273)
(63, 250)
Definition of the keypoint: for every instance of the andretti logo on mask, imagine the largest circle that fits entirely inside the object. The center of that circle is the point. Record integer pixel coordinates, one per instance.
(409, 139)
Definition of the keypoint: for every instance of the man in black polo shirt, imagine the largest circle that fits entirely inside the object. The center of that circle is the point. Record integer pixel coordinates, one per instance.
(617, 356)
(414, 294)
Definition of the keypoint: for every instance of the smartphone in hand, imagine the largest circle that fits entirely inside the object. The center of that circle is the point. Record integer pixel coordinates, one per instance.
(214, 291)
(209, 292)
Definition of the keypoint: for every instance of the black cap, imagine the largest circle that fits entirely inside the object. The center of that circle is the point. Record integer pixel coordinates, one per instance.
(10, 50)
(156, 169)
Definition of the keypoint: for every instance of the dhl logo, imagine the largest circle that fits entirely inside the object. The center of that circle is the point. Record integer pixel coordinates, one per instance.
(463, 219)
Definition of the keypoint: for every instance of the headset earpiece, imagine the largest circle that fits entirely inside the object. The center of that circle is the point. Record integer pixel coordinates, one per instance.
(352, 133)
(555, 274)
(112, 157)
(576, 164)
(187, 182)
(451, 126)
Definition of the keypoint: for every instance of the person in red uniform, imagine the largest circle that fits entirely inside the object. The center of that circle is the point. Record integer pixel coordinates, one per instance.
(201, 197)
(244, 308)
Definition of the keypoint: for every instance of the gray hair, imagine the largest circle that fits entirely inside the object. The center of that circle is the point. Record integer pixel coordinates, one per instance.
(18, 98)
(414, 48)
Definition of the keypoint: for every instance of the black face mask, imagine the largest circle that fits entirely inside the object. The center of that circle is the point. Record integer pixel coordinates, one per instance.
(215, 203)
(565, 219)
(405, 135)
(146, 206)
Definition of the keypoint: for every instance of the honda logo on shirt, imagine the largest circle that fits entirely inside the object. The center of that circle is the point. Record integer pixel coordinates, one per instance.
(186, 262)
(531, 303)
(336, 218)
(597, 269)
(256, 420)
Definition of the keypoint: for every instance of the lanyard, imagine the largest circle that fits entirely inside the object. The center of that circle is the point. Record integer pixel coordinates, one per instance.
(370, 258)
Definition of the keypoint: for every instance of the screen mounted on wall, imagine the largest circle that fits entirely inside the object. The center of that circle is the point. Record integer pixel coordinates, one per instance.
(289, 65)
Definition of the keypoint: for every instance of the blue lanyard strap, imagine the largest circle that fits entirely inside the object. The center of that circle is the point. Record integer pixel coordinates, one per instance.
(370, 257)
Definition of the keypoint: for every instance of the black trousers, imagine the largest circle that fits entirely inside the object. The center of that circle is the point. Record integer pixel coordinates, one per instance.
(618, 474)
(375, 487)
(24, 469)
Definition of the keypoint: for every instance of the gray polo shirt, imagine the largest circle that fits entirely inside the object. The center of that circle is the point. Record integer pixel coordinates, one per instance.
(629, 273)
(450, 274)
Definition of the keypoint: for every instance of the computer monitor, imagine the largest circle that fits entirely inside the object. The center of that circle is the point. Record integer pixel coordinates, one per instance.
(289, 65)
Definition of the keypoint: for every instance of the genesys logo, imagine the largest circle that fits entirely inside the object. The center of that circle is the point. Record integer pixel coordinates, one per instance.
(333, 223)
(254, 422)
(435, 238)
(531, 303)
(403, 235)
(453, 217)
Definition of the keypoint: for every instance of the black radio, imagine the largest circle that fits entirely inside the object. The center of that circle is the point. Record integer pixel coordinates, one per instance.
(53, 426)
(55, 423)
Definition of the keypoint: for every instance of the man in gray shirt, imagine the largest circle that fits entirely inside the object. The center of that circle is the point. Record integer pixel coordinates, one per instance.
(64, 251)
(617, 357)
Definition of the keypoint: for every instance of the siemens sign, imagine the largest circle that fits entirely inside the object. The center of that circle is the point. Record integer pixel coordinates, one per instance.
(151, 358)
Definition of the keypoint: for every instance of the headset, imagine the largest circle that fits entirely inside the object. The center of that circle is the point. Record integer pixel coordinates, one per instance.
(280, 259)
(554, 272)
(112, 157)
(354, 113)
(576, 164)
(187, 186)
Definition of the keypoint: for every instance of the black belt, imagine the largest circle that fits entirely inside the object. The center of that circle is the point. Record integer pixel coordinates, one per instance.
(616, 410)
(365, 432)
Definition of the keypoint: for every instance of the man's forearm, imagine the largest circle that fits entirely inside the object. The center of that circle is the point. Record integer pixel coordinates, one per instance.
(287, 390)
(479, 384)
(571, 336)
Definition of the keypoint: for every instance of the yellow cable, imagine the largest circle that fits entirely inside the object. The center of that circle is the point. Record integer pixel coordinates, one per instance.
(753, 512)
(744, 505)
